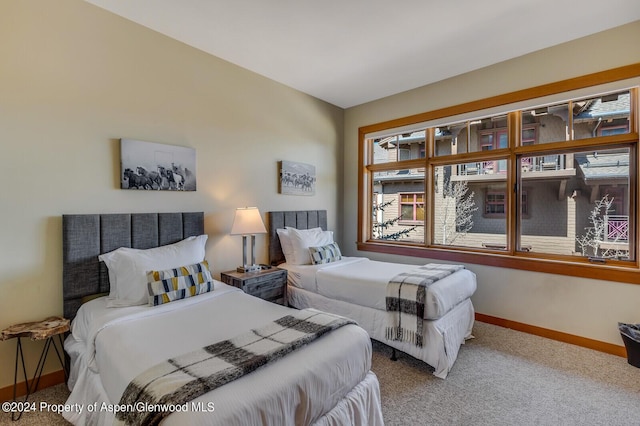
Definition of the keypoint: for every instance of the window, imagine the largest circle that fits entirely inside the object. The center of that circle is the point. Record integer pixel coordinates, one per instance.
(399, 147)
(451, 139)
(493, 139)
(529, 134)
(524, 204)
(412, 207)
(459, 208)
(551, 122)
(601, 115)
(613, 130)
(495, 204)
(398, 216)
(556, 182)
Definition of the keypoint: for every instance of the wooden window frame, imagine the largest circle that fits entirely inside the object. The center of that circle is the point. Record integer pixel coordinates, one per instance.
(611, 270)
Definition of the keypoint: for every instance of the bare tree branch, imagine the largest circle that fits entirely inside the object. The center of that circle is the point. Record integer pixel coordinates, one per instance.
(456, 211)
(590, 242)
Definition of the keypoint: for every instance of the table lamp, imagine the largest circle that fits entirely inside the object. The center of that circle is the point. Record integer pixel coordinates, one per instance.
(247, 222)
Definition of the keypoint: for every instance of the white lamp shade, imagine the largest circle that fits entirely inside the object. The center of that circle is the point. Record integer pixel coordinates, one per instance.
(247, 221)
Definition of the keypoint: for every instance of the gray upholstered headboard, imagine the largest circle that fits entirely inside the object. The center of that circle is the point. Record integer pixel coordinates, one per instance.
(85, 236)
(301, 219)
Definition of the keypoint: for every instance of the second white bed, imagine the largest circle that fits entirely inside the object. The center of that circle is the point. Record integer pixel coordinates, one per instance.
(355, 287)
(364, 282)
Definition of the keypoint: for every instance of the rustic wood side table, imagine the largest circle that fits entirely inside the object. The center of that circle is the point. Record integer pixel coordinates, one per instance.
(268, 284)
(47, 330)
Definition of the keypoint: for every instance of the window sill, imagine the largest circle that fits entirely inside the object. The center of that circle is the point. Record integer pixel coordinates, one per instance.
(500, 216)
(581, 267)
(494, 215)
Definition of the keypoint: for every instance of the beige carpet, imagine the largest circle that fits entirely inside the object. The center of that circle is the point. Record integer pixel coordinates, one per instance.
(502, 377)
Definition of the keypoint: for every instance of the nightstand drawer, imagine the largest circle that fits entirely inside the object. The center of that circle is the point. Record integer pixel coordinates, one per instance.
(260, 285)
(267, 292)
(269, 284)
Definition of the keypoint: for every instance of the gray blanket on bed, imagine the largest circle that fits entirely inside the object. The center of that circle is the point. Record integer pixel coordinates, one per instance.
(406, 295)
(166, 387)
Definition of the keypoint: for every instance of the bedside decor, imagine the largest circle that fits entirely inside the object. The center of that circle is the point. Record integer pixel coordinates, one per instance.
(155, 166)
(297, 178)
(247, 222)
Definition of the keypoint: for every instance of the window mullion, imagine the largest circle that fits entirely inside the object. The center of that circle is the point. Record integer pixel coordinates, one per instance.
(634, 186)
(513, 176)
(429, 186)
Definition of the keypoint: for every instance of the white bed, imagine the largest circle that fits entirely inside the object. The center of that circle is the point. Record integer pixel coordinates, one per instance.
(114, 338)
(356, 288)
(326, 382)
(367, 283)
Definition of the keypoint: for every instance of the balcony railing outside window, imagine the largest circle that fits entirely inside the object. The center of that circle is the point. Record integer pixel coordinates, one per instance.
(529, 164)
(616, 228)
(544, 163)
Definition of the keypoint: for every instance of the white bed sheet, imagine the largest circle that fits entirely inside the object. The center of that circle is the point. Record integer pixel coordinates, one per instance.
(299, 389)
(443, 336)
(361, 281)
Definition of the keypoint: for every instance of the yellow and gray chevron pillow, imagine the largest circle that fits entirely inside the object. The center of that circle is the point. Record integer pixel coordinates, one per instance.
(179, 283)
(325, 254)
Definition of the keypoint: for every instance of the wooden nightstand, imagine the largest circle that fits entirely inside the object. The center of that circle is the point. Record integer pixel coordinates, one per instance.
(268, 284)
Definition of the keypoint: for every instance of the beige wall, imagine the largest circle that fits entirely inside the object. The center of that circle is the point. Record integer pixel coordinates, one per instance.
(73, 80)
(583, 307)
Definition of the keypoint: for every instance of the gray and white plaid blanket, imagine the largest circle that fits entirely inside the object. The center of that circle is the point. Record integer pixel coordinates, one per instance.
(406, 295)
(176, 381)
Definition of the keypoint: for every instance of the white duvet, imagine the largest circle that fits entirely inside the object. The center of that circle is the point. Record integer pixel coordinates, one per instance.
(363, 282)
(110, 346)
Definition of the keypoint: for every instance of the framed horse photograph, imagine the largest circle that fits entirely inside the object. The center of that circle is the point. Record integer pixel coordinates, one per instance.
(296, 178)
(156, 166)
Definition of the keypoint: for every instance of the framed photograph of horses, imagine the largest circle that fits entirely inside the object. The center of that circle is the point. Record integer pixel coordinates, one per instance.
(297, 178)
(157, 167)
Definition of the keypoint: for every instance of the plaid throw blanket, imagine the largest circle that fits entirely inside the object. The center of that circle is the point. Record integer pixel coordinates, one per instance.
(406, 294)
(176, 381)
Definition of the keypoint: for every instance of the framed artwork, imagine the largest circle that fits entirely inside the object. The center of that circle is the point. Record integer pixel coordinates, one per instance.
(297, 178)
(156, 166)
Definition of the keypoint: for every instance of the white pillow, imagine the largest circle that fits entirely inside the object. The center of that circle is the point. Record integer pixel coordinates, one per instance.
(108, 258)
(285, 240)
(301, 240)
(128, 268)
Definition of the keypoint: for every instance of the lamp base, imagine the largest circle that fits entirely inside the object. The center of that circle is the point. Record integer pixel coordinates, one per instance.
(248, 268)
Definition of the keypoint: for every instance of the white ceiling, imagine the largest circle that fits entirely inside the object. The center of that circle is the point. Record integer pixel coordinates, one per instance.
(348, 52)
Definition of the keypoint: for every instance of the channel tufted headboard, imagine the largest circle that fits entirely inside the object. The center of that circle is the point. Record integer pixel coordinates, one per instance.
(300, 219)
(85, 236)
